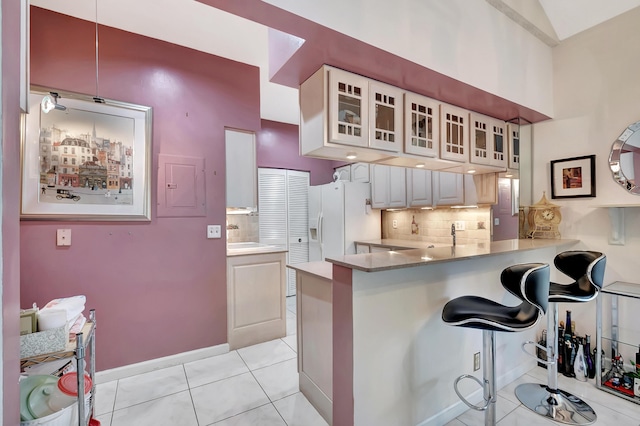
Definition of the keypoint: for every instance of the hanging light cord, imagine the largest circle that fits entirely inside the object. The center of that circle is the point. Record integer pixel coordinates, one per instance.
(97, 98)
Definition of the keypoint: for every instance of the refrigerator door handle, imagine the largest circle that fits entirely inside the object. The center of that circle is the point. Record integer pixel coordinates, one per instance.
(320, 220)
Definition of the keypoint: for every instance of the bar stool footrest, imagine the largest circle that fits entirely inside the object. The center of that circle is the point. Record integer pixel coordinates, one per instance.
(463, 399)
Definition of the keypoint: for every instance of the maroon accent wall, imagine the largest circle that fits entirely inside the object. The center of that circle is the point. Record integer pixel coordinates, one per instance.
(10, 211)
(158, 288)
(323, 45)
(278, 147)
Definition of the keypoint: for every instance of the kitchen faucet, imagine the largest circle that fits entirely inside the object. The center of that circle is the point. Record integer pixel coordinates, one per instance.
(453, 233)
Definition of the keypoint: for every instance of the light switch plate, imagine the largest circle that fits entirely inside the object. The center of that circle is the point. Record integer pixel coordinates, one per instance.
(63, 237)
(459, 225)
(214, 231)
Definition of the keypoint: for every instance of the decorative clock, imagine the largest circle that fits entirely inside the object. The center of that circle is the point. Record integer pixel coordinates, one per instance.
(544, 218)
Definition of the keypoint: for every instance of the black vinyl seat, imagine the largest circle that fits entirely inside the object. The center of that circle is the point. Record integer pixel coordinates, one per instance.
(528, 282)
(586, 269)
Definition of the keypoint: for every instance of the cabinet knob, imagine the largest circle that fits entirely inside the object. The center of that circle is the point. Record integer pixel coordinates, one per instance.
(299, 240)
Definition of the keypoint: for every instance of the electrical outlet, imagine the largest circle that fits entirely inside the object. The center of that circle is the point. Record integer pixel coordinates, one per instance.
(213, 231)
(476, 361)
(459, 224)
(395, 223)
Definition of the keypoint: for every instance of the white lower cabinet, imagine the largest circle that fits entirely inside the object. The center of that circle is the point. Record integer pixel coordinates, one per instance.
(255, 299)
(388, 187)
(448, 189)
(419, 188)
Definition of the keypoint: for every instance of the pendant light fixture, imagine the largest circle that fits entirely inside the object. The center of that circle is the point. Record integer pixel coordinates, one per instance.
(97, 97)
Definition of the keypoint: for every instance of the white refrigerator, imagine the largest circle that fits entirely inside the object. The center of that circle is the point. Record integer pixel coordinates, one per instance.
(339, 214)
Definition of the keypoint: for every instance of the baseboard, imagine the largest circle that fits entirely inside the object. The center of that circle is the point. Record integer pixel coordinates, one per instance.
(448, 414)
(158, 363)
(316, 397)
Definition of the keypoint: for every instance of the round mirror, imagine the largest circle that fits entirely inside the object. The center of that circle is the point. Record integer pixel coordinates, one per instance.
(624, 159)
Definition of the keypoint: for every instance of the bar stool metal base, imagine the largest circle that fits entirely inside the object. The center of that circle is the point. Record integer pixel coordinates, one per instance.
(559, 406)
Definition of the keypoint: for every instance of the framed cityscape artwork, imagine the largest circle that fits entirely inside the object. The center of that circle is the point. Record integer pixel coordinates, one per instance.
(83, 159)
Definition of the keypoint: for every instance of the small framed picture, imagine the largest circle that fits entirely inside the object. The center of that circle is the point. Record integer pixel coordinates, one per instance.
(573, 177)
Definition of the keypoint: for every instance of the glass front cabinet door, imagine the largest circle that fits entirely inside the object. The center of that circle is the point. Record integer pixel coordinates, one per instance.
(421, 125)
(480, 139)
(348, 108)
(488, 141)
(514, 146)
(454, 139)
(497, 130)
(385, 117)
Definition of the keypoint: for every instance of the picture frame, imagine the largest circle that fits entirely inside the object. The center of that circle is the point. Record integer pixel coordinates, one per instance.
(573, 177)
(87, 159)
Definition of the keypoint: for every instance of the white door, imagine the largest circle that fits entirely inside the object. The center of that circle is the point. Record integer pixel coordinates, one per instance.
(272, 207)
(298, 223)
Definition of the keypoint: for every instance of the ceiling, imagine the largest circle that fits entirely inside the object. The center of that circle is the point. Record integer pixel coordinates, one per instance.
(190, 23)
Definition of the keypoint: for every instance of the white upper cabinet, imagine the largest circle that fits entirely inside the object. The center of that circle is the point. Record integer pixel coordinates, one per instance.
(348, 108)
(497, 131)
(481, 189)
(480, 152)
(360, 172)
(514, 146)
(422, 129)
(241, 172)
(488, 141)
(454, 137)
(385, 117)
(448, 189)
(419, 188)
(388, 187)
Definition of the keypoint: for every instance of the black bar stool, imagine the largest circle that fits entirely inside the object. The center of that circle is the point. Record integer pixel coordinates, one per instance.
(586, 268)
(530, 283)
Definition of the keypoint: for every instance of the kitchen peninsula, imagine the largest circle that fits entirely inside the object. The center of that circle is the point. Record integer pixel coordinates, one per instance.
(372, 347)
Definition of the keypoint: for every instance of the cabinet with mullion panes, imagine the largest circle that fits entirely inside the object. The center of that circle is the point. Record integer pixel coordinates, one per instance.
(454, 137)
(385, 116)
(422, 130)
(348, 108)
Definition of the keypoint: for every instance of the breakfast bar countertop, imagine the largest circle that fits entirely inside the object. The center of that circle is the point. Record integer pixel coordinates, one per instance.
(387, 260)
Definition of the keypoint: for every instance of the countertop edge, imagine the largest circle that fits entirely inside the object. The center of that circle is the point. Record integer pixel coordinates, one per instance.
(255, 252)
(420, 257)
(319, 269)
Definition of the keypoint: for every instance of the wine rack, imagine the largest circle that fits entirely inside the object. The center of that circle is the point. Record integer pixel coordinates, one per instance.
(618, 347)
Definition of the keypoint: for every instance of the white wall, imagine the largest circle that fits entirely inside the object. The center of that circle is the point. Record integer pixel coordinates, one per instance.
(470, 41)
(596, 95)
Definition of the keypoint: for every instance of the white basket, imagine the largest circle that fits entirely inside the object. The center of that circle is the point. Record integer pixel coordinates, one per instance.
(59, 418)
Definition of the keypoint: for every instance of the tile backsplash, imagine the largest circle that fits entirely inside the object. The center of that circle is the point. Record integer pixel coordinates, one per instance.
(243, 228)
(435, 225)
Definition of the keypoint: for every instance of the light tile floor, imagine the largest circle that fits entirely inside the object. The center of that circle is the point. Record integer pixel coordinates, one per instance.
(258, 386)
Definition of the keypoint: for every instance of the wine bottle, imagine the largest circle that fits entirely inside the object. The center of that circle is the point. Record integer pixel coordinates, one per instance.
(591, 364)
(560, 354)
(579, 364)
(414, 226)
(568, 351)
